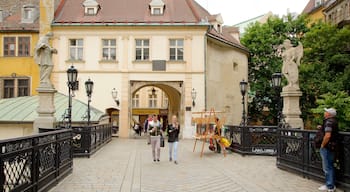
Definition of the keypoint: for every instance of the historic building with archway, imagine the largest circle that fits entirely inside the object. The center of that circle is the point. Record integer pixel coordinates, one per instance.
(130, 45)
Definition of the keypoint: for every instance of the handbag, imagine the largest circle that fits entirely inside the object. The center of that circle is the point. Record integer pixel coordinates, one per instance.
(161, 141)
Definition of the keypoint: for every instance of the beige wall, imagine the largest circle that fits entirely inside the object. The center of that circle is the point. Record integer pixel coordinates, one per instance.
(15, 130)
(107, 76)
(226, 67)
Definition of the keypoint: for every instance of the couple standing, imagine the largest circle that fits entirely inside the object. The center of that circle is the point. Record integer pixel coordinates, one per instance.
(156, 133)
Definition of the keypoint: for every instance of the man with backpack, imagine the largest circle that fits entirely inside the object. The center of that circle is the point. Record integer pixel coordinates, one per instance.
(328, 147)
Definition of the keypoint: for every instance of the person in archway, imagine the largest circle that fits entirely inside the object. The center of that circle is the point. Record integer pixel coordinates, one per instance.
(155, 131)
(173, 138)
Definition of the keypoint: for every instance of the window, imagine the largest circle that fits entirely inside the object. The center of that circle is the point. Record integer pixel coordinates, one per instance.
(11, 49)
(10, 46)
(90, 11)
(109, 49)
(23, 87)
(23, 46)
(176, 49)
(27, 13)
(165, 101)
(157, 11)
(9, 88)
(142, 49)
(136, 101)
(152, 101)
(15, 87)
(76, 49)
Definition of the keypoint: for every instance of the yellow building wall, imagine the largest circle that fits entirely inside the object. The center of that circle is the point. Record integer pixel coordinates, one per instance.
(316, 16)
(21, 66)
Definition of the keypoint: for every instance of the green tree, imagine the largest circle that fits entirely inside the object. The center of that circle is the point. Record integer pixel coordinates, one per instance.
(263, 41)
(341, 102)
(325, 69)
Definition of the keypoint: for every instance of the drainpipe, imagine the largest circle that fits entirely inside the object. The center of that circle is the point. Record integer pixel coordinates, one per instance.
(205, 71)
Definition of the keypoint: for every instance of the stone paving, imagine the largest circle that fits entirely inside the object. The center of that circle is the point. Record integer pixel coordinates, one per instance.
(126, 165)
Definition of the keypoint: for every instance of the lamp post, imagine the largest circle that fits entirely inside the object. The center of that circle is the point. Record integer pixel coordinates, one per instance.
(72, 75)
(243, 86)
(276, 84)
(193, 95)
(115, 96)
(89, 85)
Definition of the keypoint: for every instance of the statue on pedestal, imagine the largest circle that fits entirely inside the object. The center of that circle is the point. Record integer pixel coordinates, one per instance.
(43, 57)
(291, 61)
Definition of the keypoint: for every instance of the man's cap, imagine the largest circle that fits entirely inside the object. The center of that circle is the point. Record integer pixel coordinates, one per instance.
(331, 111)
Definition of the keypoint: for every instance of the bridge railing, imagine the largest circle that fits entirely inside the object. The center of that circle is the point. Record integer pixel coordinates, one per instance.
(35, 163)
(88, 139)
(296, 152)
(253, 140)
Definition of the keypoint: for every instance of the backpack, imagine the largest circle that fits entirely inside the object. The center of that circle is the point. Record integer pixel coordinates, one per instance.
(318, 139)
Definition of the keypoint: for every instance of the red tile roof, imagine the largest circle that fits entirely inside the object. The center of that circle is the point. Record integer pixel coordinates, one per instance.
(180, 12)
(130, 11)
(309, 7)
(12, 16)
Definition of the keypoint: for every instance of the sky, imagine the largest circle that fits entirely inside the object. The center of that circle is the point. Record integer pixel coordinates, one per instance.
(236, 11)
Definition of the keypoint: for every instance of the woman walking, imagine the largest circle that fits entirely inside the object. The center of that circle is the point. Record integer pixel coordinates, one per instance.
(173, 138)
(154, 128)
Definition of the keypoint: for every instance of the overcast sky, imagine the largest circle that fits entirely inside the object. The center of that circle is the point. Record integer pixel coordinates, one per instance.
(236, 11)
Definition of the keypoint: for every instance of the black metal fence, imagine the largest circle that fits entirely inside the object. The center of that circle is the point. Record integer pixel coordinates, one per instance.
(87, 140)
(35, 163)
(296, 153)
(252, 140)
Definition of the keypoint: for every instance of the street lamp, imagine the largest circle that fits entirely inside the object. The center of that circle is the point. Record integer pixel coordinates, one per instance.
(72, 75)
(276, 84)
(193, 95)
(243, 85)
(89, 85)
(115, 96)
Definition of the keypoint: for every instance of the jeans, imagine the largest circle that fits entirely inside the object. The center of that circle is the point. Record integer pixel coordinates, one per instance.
(155, 142)
(328, 167)
(173, 147)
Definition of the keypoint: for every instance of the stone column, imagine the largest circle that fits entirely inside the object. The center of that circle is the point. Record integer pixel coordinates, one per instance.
(291, 108)
(45, 110)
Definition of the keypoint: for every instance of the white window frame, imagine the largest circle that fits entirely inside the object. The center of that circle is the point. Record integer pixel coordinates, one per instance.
(136, 101)
(177, 48)
(152, 100)
(143, 47)
(109, 47)
(76, 47)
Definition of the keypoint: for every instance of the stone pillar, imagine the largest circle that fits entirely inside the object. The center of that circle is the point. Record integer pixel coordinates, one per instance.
(291, 108)
(45, 110)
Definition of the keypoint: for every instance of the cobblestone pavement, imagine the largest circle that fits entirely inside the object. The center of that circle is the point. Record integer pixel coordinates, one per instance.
(127, 165)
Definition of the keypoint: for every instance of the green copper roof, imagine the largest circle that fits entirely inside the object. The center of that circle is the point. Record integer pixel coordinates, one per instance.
(23, 109)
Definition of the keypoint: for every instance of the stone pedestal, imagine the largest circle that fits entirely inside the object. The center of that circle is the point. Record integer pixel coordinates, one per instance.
(291, 108)
(45, 110)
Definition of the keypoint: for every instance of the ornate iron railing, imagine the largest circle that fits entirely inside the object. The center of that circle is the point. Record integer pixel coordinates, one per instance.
(297, 153)
(252, 140)
(35, 163)
(87, 140)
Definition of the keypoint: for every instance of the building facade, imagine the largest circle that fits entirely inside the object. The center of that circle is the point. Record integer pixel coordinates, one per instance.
(314, 10)
(19, 31)
(130, 45)
(337, 12)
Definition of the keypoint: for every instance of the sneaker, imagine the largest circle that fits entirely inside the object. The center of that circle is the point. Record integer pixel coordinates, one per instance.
(158, 160)
(170, 159)
(332, 190)
(175, 162)
(323, 188)
(154, 160)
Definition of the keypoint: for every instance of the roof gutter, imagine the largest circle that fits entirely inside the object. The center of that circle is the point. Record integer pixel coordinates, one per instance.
(128, 24)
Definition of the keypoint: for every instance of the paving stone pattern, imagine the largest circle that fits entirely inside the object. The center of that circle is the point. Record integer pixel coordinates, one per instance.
(126, 165)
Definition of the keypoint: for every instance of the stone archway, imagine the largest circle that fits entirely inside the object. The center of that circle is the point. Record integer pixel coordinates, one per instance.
(173, 89)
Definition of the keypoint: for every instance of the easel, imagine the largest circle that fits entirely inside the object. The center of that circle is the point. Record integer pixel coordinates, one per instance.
(206, 117)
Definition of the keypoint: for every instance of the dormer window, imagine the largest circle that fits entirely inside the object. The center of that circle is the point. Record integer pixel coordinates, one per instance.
(157, 7)
(91, 7)
(318, 3)
(29, 13)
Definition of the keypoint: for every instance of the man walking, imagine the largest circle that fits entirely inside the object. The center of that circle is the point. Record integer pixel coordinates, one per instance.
(328, 146)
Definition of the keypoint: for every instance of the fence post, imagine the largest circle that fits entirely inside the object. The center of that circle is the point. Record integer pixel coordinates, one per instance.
(2, 174)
